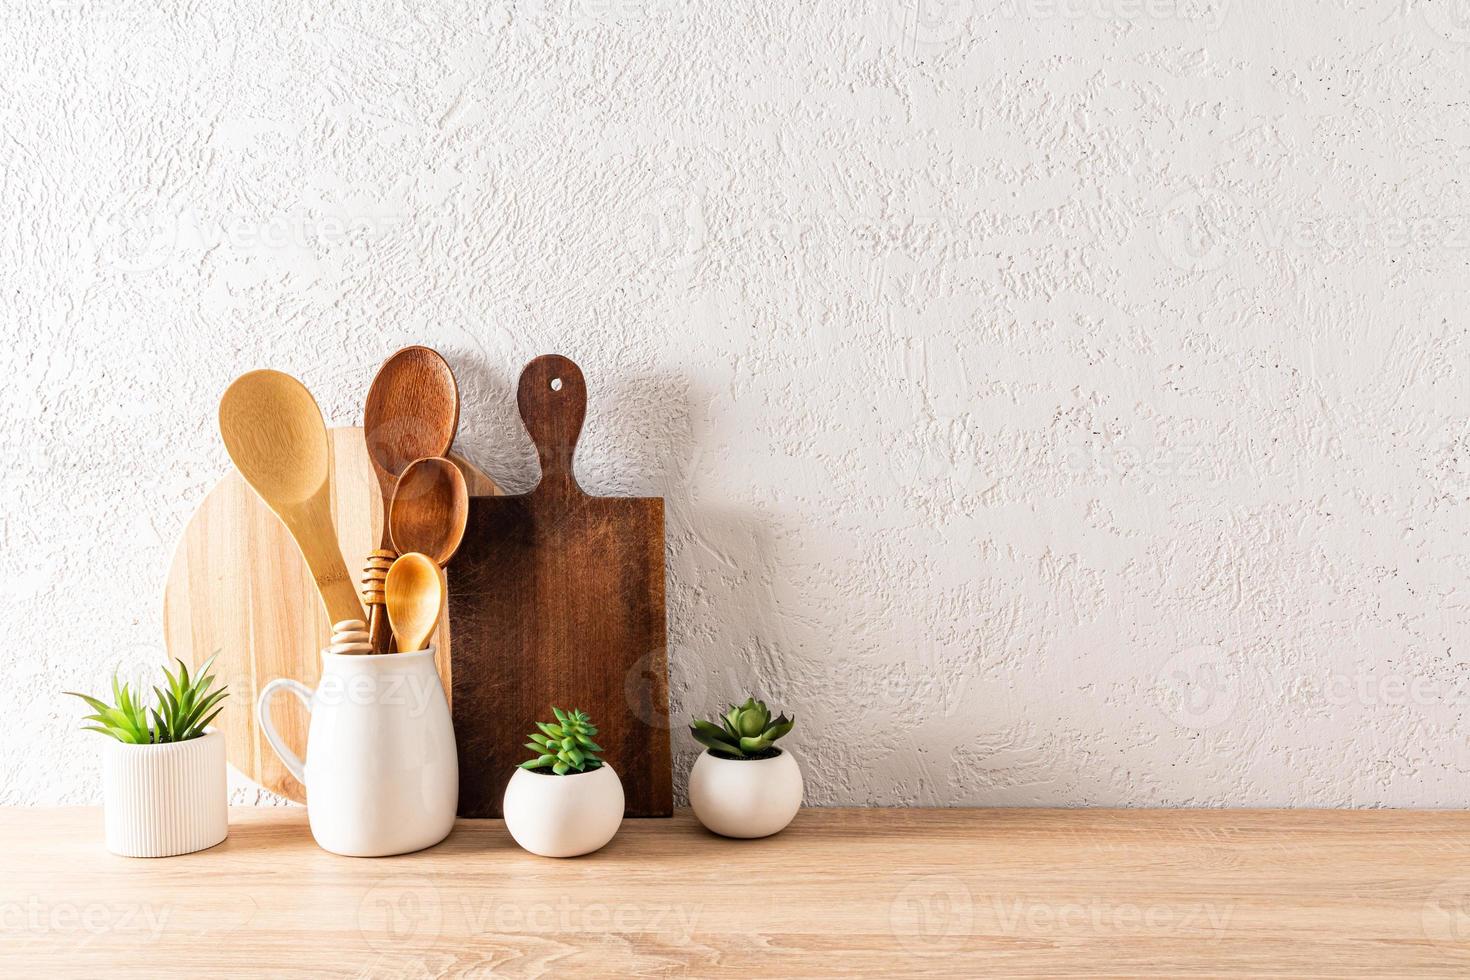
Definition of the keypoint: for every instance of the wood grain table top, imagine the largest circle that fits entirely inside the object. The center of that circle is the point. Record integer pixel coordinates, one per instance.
(883, 893)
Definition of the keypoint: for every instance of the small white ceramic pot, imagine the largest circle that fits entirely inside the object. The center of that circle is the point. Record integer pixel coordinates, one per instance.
(563, 816)
(745, 797)
(162, 800)
(382, 770)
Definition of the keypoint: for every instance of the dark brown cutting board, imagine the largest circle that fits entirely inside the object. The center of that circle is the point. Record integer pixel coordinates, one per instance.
(557, 598)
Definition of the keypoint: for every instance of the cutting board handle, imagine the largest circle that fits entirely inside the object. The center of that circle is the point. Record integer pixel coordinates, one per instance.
(553, 400)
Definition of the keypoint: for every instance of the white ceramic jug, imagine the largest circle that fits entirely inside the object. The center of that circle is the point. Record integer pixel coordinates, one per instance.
(381, 772)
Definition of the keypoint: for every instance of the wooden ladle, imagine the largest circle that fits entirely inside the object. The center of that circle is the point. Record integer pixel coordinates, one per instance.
(415, 599)
(431, 506)
(412, 412)
(274, 433)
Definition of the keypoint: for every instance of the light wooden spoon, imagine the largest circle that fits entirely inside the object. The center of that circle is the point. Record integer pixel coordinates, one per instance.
(415, 599)
(412, 411)
(430, 509)
(275, 435)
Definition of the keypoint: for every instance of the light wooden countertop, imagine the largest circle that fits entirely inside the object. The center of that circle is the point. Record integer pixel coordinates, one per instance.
(854, 892)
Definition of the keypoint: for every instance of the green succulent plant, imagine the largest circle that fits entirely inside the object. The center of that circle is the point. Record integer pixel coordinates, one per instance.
(178, 714)
(565, 746)
(746, 731)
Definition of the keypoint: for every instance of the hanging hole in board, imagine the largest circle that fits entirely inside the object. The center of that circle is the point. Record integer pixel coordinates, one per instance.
(556, 384)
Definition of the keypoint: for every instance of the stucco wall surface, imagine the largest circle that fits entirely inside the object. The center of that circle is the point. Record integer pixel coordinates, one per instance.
(1056, 402)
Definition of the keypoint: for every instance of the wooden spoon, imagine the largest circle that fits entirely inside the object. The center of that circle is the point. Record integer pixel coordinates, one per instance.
(415, 599)
(430, 509)
(412, 411)
(275, 435)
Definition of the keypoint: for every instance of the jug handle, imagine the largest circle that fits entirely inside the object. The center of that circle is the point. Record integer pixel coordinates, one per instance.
(263, 715)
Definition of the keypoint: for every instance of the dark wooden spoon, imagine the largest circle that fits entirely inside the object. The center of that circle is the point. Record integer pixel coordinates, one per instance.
(431, 506)
(412, 412)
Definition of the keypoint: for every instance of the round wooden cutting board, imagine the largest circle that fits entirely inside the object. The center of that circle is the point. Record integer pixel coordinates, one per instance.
(239, 588)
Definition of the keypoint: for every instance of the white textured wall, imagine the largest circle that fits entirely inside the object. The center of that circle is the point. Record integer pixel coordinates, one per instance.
(1058, 401)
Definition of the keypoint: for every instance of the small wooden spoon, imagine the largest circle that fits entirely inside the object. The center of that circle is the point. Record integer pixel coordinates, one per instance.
(275, 435)
(412, 411)
(430, 509)
(415, 599)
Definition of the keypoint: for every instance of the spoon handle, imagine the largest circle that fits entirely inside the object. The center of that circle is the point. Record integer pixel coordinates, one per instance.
(373, 575)
(552, 397)
(310, 524)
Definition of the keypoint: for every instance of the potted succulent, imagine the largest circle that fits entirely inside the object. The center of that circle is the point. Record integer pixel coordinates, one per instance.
(163, 778)
(743, 785)
(566, 801)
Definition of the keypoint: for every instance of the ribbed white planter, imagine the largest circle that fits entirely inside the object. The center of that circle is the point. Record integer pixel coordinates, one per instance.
(162, 800)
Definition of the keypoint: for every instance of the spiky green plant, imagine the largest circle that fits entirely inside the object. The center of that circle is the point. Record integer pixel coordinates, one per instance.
(179, 714)
(746, 731)
(566, 745)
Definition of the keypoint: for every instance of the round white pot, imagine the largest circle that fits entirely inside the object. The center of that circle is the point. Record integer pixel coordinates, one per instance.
(745, 797)
(162, 800)
(563, 816)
